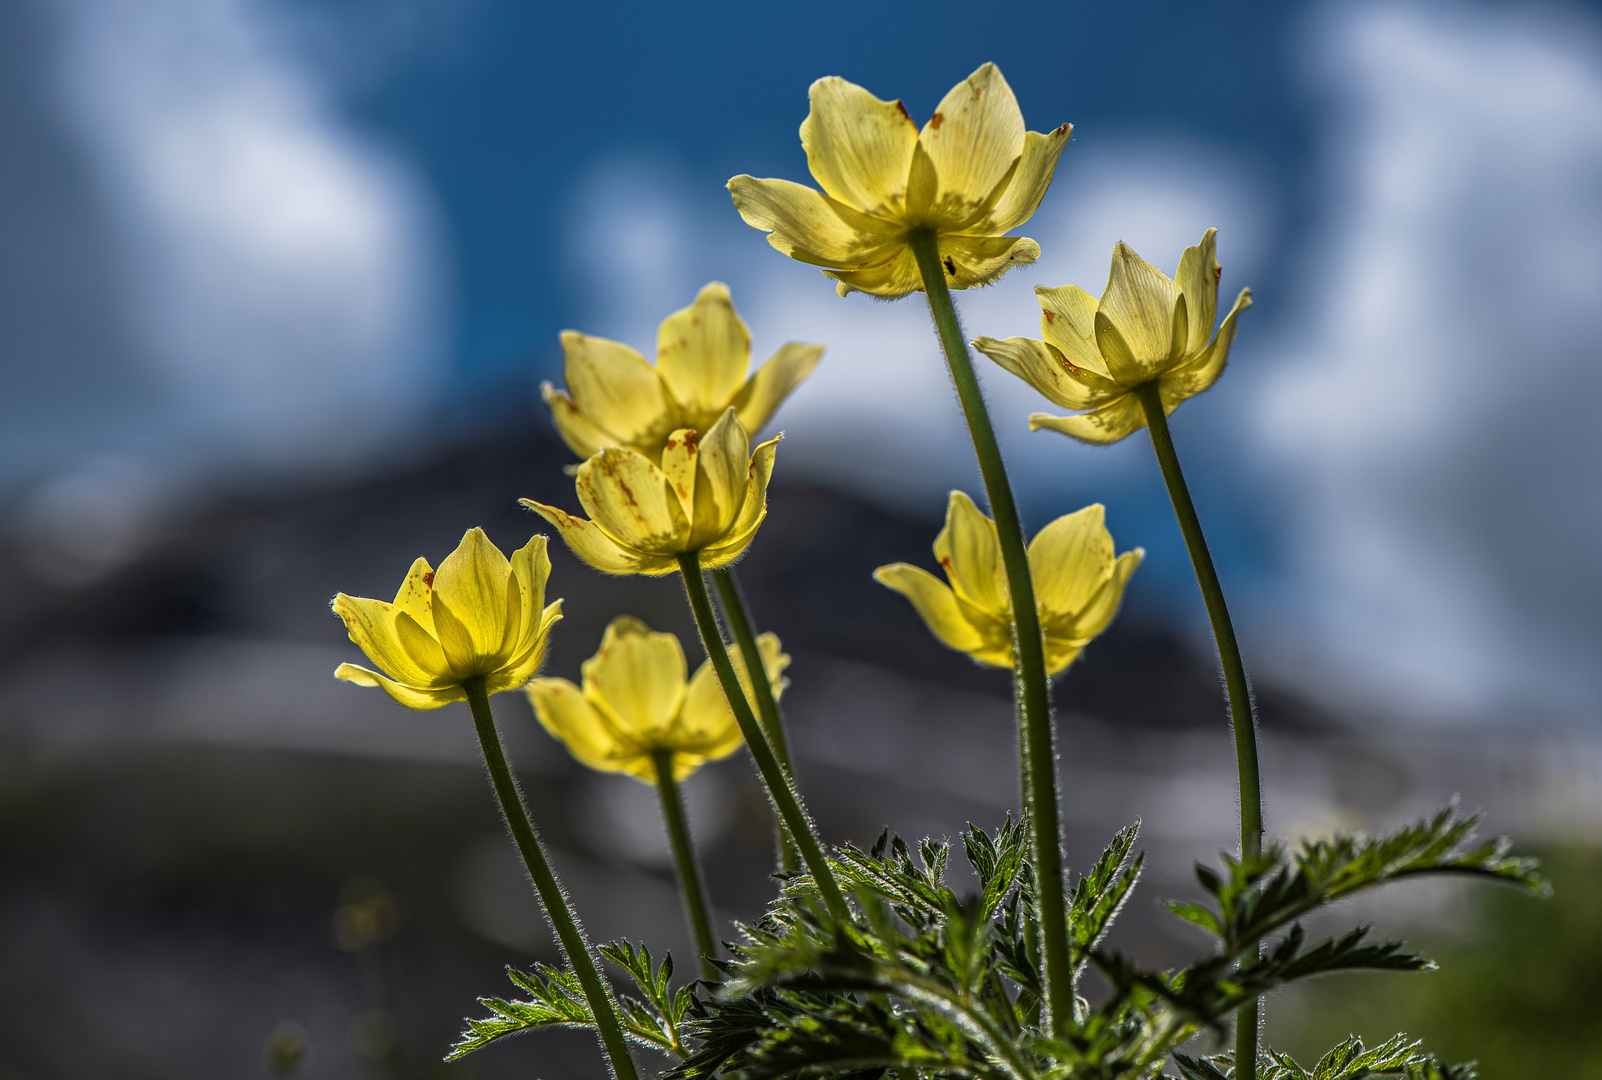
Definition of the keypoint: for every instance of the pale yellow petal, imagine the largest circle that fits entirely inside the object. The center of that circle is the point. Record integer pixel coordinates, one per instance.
(470, 603)
(722, 465)
(390, 638)
(617, 391)
(1139, 301)
(771, 383)
(1044, 368)
(1070, 559)
(974, 140)
(572, 721)
(704, 351)
(1021, 198)
(678, 467)
(752, 511)
(413, 697)
(970, 553)
(416, 594)
(888, 281)
(858, 148)
(531, 567)
(935, 603)
(526, 664)
(812, 228)
(1194, 376)
(628, 497)
(1068, 323)
(581, 436)
(1116, 420)
(707, 727)
(1197, 278)
(1103, 605)
(1125, 368)
(775, 661)
(972, 261)
(636, 679)
(594, 547)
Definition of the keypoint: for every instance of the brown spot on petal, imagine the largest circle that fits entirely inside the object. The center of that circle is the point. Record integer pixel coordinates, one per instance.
(936, 120)
(1061, 128)
(428, 579)
(1218, 272)
(904, 111)
(690, 439)
(1050, 316)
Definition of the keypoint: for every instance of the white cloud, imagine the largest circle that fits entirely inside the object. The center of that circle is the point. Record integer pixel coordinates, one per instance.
(282, 271)
(1436, 418)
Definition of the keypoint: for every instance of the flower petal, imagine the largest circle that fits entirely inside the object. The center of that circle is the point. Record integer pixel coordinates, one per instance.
(1099, 610)
(974, 139)
(572, 721)
(811, 227)
(636, 679)
(1139, 302)
(935, 603)
(970, 554)
(628, 497)
(581, 436)
(752, 511)
(617, 390)
(1069, 560)
(678, 467)
(703, 351)
(1068, 323)
(1044, 368)
(416, 594)
(1021, 198)
(707, 727)
(1115, 420)
(972, 261)
(1194, 376)
(1197, 278)
(1126, 369)
(890, 280)
(598, 550)
(722, 465)
(531, 568)
(471, 605)
(771, 383)
(859, 148)
(378, 628)
(412, 697)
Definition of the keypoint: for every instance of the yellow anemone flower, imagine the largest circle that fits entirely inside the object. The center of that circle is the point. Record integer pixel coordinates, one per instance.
(615, 397)
(635, 701)
(972, 174)
(1078, 584)
(479, 614)
(1148, 327)
(709, 495)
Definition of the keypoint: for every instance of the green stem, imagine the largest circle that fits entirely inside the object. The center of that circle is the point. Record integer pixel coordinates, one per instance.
(552, 898)
(781, 791)
(738, 617)
(678, 830)
(1241, 714)
(1034, 693)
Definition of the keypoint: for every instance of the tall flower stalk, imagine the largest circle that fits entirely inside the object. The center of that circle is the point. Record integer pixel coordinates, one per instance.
(696, 909)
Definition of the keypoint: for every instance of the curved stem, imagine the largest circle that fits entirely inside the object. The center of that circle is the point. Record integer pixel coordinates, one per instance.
(1242, 716)
(678, 830)
(781, 791)
(1036, 737)
(738, 617)
(596, 993)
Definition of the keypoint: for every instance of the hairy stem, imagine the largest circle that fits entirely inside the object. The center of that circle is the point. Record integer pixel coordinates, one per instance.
(678, 830)
(781, 791)
(731, 598)
(1036, 737)
(552, 898)
(1241, 714)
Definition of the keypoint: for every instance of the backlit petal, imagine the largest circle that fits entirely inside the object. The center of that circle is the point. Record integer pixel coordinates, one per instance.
(1194, 376)
(526, 663)
(628, 497)
(1099, 610)
(1043, 368)
(571, 720)
(890, 280)
(721, 468)
(812, 228)
(470, 603)
(376, 627)
(581, 436)
(974, 139)
(970, 554)
(1068, 322)
(1139, 301)
(412, 697)
(637, 679)
(858, 147)
(617, 390)
(752, 510)
(771, 383)
(1127, 369)
(704, 351)
(1069, 560)
(934, 602)
(593, 546)
(981, 260)
(531, 567)
(678, 467)
(1197, 278)
(1116, 420)
(707, 727)
(1029, 182)
(416, 594)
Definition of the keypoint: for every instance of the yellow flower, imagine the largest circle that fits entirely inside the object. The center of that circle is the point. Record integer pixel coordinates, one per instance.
(614, 397)
(972, 174)
(709, 495)
(635, 701)
(1147, 328)
(1078, 584)
(480, 614)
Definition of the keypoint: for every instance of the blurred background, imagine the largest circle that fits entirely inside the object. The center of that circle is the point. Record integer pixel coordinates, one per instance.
(279, 279)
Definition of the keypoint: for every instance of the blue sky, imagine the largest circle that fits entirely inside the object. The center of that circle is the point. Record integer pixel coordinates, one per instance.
(264, 238)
